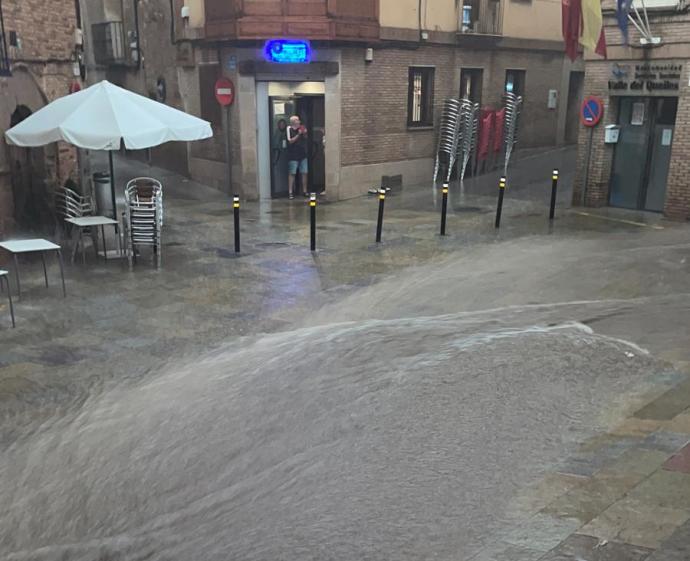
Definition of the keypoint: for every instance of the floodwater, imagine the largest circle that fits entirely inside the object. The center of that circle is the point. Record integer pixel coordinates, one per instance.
(401, 438)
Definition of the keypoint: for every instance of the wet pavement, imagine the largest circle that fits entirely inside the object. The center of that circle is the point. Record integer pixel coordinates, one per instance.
(520, 394)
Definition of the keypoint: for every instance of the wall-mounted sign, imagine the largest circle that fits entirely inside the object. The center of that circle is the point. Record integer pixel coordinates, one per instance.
(637, 115)
(287, 51)
(661, 78)
(591, 111)
(225, 91)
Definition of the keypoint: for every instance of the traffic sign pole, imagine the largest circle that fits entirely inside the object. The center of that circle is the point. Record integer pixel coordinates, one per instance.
(591, 112)
(224, 91)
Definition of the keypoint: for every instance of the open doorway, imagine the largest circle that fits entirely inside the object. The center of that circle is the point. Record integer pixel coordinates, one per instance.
(306, 100)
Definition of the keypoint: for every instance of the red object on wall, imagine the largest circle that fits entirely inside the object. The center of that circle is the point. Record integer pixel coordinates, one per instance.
(571, 20)
(498, 129)
(74, 87)
(485, 129)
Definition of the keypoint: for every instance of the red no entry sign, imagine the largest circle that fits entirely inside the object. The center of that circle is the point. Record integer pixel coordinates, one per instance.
(225, 91)
(592, 110)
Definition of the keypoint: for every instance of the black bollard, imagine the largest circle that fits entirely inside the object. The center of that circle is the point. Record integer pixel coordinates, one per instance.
(554, 189)
(236, 212)
(379, 224)
(499, 207)
(312, 209)
(444, 208)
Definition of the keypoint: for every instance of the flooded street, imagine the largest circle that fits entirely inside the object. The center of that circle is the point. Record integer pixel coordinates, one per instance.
(367, 440)
(362, 403)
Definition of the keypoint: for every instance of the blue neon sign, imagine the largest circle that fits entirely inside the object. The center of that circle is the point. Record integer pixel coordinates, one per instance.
(287, 51)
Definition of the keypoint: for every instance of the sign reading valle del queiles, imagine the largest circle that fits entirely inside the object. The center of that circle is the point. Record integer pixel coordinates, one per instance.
(649, 78)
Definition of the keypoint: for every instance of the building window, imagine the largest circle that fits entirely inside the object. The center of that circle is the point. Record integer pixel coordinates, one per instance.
(4, 60)
(515, 82)
(471, 84)
(420, 97)
(210, 108)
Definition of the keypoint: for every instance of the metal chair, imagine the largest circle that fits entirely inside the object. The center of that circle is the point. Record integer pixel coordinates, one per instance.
(447, 149)
(5, 281)
(70, 204)
(143, 216)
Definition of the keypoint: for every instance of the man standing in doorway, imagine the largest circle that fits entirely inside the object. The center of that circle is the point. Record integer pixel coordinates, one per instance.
(297, 155)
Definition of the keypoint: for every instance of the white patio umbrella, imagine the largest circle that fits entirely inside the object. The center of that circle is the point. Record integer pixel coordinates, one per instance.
(104, 115)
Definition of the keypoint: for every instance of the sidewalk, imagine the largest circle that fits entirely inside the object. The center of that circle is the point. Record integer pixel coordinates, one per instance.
(624, 496)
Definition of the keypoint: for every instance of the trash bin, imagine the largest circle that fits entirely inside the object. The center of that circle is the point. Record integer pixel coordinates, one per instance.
(102, 194)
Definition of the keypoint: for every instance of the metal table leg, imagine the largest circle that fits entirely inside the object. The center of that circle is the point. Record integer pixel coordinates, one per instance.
(62, 273)
(81, 242)
(9, 297)
(105, 251)
(16, 275)
(45, 270)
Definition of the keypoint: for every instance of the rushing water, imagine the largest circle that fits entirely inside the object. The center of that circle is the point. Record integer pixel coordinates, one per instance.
(369, 440)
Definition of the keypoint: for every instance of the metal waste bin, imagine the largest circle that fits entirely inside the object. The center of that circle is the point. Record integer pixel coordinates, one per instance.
(102, 194)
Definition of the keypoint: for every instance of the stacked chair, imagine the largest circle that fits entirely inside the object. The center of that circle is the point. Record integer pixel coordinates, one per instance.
(70, 204)
(143, 217)
(448, 137)
(467, 134)
(513, 106)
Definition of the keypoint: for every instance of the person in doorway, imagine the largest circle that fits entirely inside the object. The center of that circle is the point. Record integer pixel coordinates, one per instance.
(279, 140)
(297, 155)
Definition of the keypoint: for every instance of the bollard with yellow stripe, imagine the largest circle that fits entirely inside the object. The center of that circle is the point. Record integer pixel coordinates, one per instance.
(499, 206)
(444, 208)
(236, 213)
(312, 220)
(554, 190)
(379, 222)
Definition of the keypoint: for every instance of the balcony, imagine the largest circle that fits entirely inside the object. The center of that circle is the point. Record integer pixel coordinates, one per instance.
(481, 17)
(341, 20)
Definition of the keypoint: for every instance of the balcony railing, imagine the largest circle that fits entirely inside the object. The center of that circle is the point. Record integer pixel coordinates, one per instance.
(348, 20)
(109, 42)
(481, 17)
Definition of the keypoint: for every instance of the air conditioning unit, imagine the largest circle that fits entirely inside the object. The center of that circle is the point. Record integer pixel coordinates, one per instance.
(108, 42)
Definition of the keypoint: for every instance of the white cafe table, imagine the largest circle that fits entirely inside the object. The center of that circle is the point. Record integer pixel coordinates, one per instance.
(82, 222)
(15, 247)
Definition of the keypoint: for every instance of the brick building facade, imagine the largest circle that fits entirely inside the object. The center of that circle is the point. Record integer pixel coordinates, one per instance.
(657, 176)
(363, 131)
(39, 44)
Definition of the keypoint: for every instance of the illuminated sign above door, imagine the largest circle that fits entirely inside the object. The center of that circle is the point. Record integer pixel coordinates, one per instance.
(287, 51)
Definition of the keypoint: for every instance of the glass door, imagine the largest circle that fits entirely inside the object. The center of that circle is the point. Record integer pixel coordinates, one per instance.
(630, 159)
(662, 138)
(280, 110)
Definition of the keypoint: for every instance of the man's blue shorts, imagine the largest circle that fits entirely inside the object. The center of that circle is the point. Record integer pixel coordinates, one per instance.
(301, 164)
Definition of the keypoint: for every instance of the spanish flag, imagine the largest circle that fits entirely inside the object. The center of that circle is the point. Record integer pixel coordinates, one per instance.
(592, 37)
(582, 25)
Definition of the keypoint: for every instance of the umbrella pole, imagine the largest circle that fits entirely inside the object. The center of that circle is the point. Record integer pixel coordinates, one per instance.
(112, 183)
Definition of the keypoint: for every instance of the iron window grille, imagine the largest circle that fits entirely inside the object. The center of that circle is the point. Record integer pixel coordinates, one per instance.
(4, 59)
(420, 97)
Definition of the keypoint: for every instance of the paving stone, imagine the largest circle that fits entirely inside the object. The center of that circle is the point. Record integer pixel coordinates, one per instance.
(579, 547)
(502, 551)
(666, 441)
(542, 532)
(636, 427)
(676, 547)
(680, 423)
(664, 488)
(679, 461)
(668, 405)
(637, 523)
(636, 461)
(591, 498)
(531, 500)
